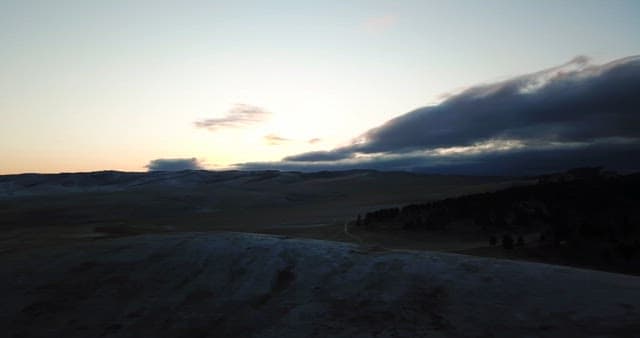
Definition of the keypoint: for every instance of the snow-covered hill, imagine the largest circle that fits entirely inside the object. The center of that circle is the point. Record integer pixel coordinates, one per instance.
(109, 181)
(243, 285)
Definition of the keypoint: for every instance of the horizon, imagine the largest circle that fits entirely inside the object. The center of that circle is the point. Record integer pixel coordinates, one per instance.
(602, 170)
(463, 87)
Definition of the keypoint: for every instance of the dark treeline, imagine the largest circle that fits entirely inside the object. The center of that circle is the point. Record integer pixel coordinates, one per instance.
(582, 205)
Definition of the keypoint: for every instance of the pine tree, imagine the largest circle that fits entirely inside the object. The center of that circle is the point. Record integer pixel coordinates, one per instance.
(507, 242)
(493, 240)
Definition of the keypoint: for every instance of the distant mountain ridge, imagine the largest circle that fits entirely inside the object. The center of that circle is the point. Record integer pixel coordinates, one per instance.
(32, 184)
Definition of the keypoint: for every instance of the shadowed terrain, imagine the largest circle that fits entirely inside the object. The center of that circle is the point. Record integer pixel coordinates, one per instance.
(40, 209)
(585, 217)
(231, 284)
(130, 254)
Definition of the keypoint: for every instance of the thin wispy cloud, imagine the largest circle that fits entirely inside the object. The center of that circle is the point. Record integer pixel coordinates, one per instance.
(241, 115)
(274, 139)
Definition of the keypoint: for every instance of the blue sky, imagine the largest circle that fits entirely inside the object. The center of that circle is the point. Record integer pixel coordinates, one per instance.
(93, 85)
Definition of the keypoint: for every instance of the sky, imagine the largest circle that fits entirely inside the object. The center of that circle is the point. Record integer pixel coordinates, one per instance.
(310, 85)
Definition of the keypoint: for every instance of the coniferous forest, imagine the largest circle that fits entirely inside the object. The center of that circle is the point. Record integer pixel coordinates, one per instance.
(584, 212)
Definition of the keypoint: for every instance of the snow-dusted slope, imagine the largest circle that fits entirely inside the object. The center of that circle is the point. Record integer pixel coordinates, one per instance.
(109, 181)
(228, 284)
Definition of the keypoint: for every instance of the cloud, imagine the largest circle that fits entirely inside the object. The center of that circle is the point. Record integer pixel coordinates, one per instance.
(573, 114)
(240, 115)
(522, 161)
(316, 156)
(559, 105)
(380, 24)
(273, 139)
(174, 164)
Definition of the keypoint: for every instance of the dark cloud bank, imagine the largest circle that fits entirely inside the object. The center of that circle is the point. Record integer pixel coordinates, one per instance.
(174, 164)
(576, 114)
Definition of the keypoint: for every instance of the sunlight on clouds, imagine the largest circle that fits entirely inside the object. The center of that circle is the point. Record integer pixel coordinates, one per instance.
(481, 147)
(534, 82)
(490, 146)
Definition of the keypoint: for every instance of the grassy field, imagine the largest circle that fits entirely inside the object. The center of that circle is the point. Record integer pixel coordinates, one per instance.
(291, 204)
(315, 206)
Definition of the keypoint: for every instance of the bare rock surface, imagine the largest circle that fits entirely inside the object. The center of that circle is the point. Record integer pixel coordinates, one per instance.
(245, 285)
